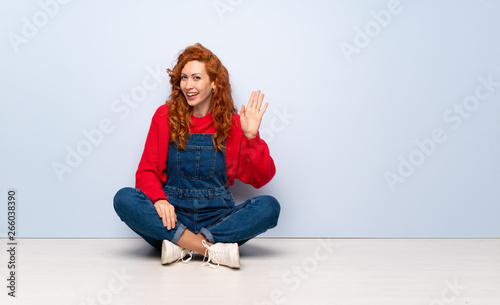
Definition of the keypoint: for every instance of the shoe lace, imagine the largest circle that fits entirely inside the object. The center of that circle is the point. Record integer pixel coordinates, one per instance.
(214, 255)
(184, 253)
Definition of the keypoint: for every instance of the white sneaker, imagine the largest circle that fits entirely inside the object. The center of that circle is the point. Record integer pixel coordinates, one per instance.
(222, 254)
(171, 252)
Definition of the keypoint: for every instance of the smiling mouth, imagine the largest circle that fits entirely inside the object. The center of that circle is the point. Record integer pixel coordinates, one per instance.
(191, 96)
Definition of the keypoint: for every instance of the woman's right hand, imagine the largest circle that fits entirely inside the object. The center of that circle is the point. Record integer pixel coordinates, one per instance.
(166, 211)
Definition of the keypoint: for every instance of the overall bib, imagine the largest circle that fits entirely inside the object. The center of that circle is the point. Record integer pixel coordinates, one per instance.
(197, 183)
(197, 187)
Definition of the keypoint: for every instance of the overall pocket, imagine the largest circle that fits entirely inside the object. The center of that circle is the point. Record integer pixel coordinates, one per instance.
(196, 162)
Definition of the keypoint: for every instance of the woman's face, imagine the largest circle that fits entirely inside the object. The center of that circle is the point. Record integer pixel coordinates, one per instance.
(197, 87)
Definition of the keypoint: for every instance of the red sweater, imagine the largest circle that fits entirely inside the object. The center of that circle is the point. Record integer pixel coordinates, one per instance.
(247, 160)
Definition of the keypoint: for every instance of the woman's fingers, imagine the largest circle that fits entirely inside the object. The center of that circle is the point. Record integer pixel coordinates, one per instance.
(168, 221)
(242, 111)
(251, 116)
(264, 109)
(251, 100)
(161, 212)
(255, 101)
(166, 211)
(158, 210)
(171, 217)
(259, 104)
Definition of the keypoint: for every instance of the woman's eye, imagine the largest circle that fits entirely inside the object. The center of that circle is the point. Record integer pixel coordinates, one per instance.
(197, 77)
(183, 77)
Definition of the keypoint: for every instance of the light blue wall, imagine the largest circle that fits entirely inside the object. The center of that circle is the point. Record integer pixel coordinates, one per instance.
(384, 117)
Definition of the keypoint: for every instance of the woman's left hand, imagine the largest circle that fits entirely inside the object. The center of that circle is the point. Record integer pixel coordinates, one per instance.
(251, 116)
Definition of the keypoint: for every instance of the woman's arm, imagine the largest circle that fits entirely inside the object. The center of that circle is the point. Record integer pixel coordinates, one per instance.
(148, 177)
(250, 160)
(152, 167)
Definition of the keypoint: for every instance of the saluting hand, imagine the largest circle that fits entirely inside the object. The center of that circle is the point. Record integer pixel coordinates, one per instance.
(251, 116)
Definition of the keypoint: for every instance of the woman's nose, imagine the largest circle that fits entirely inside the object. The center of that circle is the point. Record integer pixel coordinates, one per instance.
(189, 83)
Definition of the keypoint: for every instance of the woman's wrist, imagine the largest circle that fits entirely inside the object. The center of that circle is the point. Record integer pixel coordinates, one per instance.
(159, 200)
(250, 136)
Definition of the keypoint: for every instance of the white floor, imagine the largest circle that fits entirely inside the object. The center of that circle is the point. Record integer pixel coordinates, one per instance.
(274, 271)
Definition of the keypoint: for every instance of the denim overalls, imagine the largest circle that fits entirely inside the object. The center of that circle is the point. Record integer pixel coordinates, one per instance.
(197, 187)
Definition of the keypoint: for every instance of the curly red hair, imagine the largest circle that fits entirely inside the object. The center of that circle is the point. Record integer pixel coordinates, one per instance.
(179, 111)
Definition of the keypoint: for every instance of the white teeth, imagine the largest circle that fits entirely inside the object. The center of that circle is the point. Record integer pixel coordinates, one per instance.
(191, 94)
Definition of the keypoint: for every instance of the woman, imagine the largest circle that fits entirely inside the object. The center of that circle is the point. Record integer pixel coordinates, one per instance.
(196, 146)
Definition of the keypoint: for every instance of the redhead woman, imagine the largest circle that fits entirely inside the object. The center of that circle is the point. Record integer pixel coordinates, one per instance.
(197, 145)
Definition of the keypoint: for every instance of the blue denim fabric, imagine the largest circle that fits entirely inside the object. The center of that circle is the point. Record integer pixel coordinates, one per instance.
(197, 187)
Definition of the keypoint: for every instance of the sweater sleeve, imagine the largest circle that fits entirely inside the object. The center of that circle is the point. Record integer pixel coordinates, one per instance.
(151, 170)
(253, 164)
